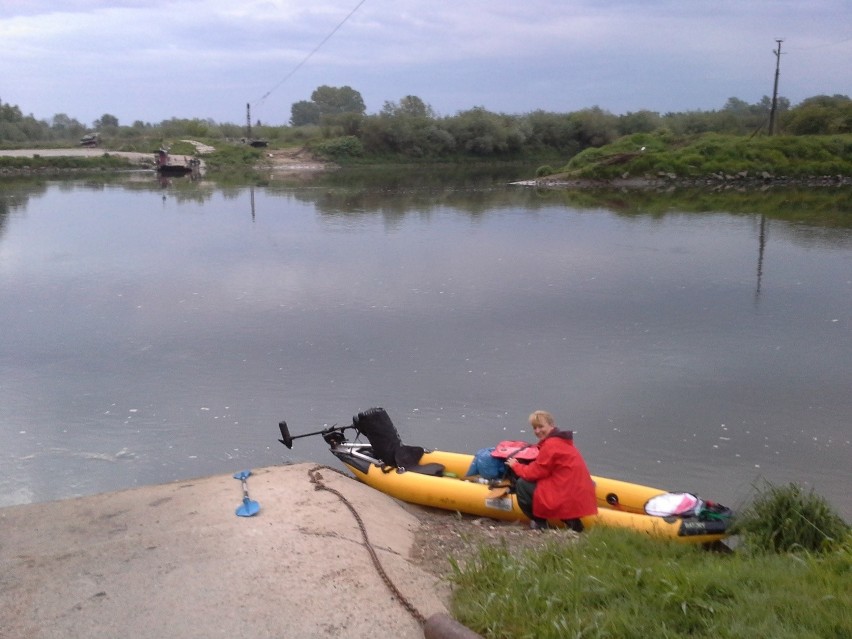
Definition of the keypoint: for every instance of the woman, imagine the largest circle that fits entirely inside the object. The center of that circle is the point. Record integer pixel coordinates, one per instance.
(557, 485)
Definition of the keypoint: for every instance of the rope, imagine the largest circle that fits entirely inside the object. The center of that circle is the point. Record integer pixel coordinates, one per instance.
(316, 480)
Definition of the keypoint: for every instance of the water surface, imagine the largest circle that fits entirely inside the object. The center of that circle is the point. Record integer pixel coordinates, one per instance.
(158, 334)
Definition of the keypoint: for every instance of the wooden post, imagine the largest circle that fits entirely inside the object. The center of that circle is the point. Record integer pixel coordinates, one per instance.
(775, 89)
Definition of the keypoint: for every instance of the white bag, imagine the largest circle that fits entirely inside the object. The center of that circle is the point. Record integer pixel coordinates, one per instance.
(674, 504)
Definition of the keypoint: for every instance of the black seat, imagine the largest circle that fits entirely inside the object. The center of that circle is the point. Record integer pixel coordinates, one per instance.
(433, 470)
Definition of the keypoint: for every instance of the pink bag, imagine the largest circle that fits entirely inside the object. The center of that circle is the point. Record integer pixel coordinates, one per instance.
(522, 451)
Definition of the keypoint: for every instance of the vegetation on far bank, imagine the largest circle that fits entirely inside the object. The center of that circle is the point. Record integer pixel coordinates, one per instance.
(662, 154)
(105, 162)
(789, 578)
(334, 125)
(230, 157)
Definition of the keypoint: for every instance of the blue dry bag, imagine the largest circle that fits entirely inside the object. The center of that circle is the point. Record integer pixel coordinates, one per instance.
(486, 466)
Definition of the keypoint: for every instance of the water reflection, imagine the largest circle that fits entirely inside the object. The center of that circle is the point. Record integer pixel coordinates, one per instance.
(150, 340)
(760, 251)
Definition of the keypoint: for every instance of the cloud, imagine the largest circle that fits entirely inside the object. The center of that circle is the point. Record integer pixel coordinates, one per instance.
(207, 58)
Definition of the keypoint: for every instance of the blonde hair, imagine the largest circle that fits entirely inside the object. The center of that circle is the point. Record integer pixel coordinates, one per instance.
(542, 418)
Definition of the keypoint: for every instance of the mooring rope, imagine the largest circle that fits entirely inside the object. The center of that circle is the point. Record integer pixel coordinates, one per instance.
(316, 479)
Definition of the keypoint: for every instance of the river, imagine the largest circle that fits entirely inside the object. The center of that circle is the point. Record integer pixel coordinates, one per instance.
(159, 331)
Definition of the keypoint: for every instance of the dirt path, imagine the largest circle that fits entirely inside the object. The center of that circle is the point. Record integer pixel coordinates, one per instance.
(80, 152)
(292, 161)
(96, 152)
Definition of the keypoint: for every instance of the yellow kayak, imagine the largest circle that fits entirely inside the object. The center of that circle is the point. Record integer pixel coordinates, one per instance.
(438, 479)
(619, 503)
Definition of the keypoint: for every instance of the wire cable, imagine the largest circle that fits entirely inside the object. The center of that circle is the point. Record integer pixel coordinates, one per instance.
(311, 54)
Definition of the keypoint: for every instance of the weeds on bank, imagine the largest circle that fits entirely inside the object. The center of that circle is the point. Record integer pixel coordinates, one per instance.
(787, 519)
(233, 157)
(653, 153)
(617, 583)
(43, 163)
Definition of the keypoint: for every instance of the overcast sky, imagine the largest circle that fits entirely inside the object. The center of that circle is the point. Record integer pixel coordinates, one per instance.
(152, 60)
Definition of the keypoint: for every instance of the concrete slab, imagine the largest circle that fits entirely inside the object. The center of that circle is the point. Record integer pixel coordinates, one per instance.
(175, 561)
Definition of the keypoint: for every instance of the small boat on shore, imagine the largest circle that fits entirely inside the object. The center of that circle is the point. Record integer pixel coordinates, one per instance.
(439, 479)
(165, 166)
(90, 140)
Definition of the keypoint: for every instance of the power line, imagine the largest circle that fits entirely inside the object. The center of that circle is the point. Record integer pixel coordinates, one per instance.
(310, 55)
(822, 46)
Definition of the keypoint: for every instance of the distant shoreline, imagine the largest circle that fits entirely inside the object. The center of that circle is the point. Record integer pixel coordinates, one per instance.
(287, 162)
(279, 161)
(714, 182)
(50, 161)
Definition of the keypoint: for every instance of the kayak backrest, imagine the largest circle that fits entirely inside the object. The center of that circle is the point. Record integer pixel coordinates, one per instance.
(377, 427)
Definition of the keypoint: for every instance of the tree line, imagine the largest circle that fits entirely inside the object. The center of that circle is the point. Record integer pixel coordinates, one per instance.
(334, 122)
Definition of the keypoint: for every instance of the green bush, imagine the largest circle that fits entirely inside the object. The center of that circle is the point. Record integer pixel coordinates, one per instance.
(544, 171)
(340, 148)
(692, 163)
(786, 519)
(231, 157)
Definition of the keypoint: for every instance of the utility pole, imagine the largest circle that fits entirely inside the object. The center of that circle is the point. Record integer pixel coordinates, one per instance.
(777, 53)
(248, 116)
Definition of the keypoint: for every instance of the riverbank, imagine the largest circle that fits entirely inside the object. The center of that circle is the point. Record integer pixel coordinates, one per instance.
(661, 160)
(274, 162)
(742, 181)
(78, 160)
(175, 561)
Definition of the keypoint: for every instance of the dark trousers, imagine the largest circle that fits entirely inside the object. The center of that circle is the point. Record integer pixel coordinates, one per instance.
(524, 491)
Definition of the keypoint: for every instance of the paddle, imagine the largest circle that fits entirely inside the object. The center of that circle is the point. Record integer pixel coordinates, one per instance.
(249, 507)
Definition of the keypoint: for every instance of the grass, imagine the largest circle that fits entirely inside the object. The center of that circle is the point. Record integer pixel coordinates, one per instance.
(617, 583)
(786, 519)
(649, 154)
(181, 148)
(103, 162)
(233, 158)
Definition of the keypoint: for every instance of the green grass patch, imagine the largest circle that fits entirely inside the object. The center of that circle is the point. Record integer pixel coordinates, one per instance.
(233, 157)
(616, 583)
(786, 519)
(38, 163)
(644, 155)
(182, 148)
(789, 579)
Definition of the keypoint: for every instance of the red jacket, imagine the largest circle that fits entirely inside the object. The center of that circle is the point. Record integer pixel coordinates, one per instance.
(564, 487)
